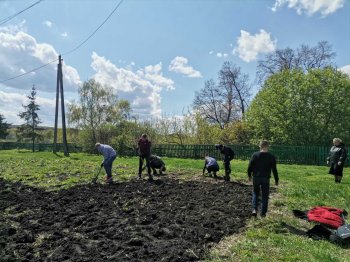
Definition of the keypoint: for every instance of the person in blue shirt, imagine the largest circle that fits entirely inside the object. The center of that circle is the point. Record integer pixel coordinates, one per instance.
(109, 155)
(211, 165)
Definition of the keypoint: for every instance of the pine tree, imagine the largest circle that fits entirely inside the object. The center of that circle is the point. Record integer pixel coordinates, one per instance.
(30, 115)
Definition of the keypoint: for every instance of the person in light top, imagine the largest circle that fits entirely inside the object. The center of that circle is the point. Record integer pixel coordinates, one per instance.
(109, 155)
(211, 165)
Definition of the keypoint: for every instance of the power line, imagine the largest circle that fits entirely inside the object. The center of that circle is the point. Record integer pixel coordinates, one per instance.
(4, 20)
(26, 73)
(71, 51)
(68, 52)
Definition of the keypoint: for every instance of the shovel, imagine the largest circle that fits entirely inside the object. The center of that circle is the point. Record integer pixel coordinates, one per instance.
(94, 180)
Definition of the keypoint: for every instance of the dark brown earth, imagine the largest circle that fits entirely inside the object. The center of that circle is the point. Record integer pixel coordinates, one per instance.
(165, 220)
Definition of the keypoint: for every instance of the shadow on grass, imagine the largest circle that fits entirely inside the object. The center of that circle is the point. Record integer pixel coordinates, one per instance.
(319, 232)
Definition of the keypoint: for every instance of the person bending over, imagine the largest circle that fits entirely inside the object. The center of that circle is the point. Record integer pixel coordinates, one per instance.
(211, 165)
(109, 155)
(157, 163)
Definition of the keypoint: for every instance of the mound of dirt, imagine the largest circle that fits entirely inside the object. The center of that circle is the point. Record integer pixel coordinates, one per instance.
(164, 220)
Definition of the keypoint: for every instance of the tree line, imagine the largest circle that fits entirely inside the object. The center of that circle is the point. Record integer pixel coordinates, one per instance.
(302, 99)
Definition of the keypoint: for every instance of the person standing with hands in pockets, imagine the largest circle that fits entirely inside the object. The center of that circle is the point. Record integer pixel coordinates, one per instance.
(259, 169)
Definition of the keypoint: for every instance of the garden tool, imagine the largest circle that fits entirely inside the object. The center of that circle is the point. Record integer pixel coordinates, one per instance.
(94, 180)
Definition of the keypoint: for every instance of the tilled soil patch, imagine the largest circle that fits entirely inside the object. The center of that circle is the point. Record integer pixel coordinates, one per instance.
(164, 220)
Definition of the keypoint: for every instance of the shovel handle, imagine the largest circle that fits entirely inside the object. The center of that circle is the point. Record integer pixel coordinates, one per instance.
(95, 178)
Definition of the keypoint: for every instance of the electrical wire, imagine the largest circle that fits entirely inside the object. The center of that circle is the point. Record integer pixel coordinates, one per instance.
(26, 73)
(91, 35)
(68, 52)
(5, 20)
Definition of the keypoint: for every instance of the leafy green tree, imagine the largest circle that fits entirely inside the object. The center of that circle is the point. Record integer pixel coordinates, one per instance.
(296, 107)
(206, 133)
(4, 126)
(97, 109)
(30, 115)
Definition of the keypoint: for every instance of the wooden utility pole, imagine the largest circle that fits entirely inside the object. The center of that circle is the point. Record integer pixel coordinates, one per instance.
(59, 89)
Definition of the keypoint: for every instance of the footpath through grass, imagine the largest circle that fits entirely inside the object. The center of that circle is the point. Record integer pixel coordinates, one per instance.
(268, 239)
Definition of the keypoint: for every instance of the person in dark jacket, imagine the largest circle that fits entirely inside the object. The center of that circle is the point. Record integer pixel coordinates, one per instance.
(211, 165)
(144, 149)
(228, 156)
(336, 159)
(260, 166)
(109, 155)
(157, 163)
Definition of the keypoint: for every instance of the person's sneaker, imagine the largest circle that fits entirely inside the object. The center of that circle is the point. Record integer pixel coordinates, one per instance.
(254, 213)
(263, 215)
(227, 178)
(150, 178)
(139, 176)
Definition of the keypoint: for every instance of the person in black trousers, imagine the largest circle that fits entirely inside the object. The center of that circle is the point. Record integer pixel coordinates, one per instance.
(228, 156)
(336, 159)
(211, 165)
(260, 166)
(144, 148)
(157, 163)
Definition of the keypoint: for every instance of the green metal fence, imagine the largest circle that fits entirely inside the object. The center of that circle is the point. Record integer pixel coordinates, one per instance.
(310, 155)
(38, 147)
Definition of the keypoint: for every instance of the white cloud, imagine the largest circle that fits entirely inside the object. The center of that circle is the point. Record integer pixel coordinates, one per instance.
(345, 69)
(211, 52)
(141, 88)
(64, 34)
(180, 65)
(221, 55)
(23, 53)
(310, 7)
(48, 23)
(250, 46)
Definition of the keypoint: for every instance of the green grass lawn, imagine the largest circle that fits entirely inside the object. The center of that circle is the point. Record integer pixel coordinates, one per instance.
(268, 239)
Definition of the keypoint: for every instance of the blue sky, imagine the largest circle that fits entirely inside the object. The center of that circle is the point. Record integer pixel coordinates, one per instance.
(155, 53)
